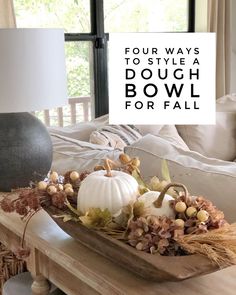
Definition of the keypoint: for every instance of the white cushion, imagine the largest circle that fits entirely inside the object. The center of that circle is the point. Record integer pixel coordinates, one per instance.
(80, 131)
(168, 132)
(226, 103)
(215, 141)
(214, 179)
(71, 154)
(117, 136)
(149, 129)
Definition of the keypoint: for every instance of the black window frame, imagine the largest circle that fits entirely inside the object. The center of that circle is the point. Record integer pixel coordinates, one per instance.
(100, 45)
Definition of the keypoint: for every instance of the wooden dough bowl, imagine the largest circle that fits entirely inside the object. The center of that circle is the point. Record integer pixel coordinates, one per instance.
(151, 267)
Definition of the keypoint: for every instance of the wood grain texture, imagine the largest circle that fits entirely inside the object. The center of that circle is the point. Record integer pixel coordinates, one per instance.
(40, 286)
(77, 270)
(152, 267)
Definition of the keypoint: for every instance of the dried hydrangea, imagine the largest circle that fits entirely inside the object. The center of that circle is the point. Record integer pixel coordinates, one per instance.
(58, 199)
(154, 234)
(23, 201)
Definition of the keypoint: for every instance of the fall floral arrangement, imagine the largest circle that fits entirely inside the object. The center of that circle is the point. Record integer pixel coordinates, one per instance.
(158, 217)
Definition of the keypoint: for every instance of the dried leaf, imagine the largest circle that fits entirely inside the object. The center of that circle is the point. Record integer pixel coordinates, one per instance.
(127, 215)
(113, 226)
(138, 209)
(75, 211)
(142, 189)
(96, 217)
(137, 176)
(58, 216)
(165, 171)
(66, 217)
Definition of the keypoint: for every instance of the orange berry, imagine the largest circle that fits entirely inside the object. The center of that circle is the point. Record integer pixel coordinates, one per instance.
(51, 190)
(180, 207)
(53, 176)
(191, 211)
(67, 185)
(74, 175)
(124, 158)
(42, 185)
(179, 223)
(69, 191)
(202, 215)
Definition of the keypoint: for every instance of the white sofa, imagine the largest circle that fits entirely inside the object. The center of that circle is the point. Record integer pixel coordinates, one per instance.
(212, 178)
(73, 150)
(202, 157)
(204, 162)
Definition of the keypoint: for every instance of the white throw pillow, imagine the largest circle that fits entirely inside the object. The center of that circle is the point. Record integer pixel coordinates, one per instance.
(214, 179)
(168, 132)
(117, 136)
(80, 131)
(215, 141)
(71, 154)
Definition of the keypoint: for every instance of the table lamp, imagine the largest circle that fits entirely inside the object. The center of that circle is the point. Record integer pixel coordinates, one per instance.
(32, 77)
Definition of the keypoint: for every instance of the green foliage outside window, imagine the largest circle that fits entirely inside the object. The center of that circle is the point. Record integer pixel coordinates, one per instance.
(74, 17)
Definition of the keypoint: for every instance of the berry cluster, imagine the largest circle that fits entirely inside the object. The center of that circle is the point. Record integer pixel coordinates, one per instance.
(196, 214)
(61, 188)
(53, 190)
(125, 164)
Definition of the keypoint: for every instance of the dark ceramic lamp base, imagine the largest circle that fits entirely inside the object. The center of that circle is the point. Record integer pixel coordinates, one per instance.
(25, 150)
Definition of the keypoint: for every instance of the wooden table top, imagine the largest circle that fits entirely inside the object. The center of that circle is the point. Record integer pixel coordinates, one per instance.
(90, 273)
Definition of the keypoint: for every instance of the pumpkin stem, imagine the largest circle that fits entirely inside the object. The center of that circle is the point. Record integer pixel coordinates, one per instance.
(108, 167)
(159, 200)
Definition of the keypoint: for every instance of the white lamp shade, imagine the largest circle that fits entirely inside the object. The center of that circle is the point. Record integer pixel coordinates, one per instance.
(32, 70)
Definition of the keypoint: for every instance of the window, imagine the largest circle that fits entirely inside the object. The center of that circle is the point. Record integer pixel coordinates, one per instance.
(87, 25)
(146, 16)
(74, 17)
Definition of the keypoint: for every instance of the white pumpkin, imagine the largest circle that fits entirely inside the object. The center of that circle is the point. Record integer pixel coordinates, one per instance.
(150, 197)
(98, 190)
